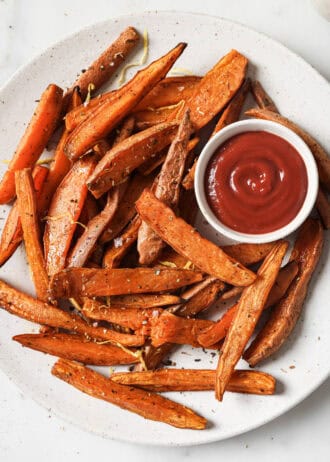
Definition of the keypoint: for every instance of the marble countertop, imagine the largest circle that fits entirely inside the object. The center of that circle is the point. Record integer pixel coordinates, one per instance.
(28, 431)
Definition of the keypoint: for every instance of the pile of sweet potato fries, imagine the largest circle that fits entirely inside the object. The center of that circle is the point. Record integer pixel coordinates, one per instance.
(109, 227)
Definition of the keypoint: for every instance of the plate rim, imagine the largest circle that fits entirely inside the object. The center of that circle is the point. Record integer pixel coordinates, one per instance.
(116, 435)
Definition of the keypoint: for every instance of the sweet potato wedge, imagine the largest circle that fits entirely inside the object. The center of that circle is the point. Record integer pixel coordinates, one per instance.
(126, 209)
(151, 117)
(26, 307)
(262, 98)
(219, 330)
(143, 300)
(125, 130)
(248, 312)
(61, 165)
(121, 245)
(323, 208)
(217, 88)
(188, 180)
(109, 114)
(248, 254)
(306, 253)
(169, 92)
(91, 282)
(167, 190)
(168, 328)
(189, 243)
(321, 157)
(12, 233)
(77, 348)
(27, 207)
(34, 140)
(163, 380)
(94, 228)
(148, 405)
(64, 212)
(105, 65)
(122, 159)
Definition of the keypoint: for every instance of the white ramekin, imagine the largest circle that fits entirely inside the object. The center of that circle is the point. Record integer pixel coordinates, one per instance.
(252, 125)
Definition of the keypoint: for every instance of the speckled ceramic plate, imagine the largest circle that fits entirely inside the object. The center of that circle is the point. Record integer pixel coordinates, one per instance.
(299, 91)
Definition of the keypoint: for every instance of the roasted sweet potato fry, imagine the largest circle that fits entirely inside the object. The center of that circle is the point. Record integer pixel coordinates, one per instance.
(262, 98)
(169, 92)
(91, 282)
(12, 233)
(217, 88)
(26, 307)
(248, 312)
(109, 114)
(27, 207)
(61, 165)
(167, 328)
(77, 348)
(148, 405)
(131, 318)
(104, 67)
(253, 382)
(34, 140)
(248, 254)
(121, 245)
(126, 209)
(321, 157)
(167, 190)
(323, 208)
(188, 181)
(124, 131)
(95, 227)
(189, 243)
(306, 254)
(121, 160)
(219, 330)
(233, 110)
(64, 212)
(151, 117)
(143, 300)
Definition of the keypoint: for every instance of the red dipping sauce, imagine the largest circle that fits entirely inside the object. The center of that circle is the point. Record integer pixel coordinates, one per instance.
(256, 182)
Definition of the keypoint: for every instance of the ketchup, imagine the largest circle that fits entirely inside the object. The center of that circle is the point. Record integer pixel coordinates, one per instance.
(256, 182)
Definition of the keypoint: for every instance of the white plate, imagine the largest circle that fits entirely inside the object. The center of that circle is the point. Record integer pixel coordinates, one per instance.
(301, 93)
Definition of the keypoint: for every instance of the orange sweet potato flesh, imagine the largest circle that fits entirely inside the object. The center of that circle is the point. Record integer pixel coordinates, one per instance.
(27, 207)
(76, 348)
(94, 228)
(284, 317)
(321, 157)
(116, 166)
(167, 190)
(12, 233)
(163, 380)
(143, 300)
(92, 282)
(126, 209)
(149, 405)
(169, 92)
(262, 98)
(249, 309)
(125, 130)
(61, 165)
(219, 330)
(109, 114)
(216, 88)
(26, 307)
(188, 242)
(115, 252)
(248, 254)
(105, 65)
(168, 328)
(64, 212)
(150, 117)
(34, 140)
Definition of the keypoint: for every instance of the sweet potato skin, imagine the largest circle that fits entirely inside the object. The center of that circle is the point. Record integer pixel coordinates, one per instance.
(164, 380)
(91, 282)
(262, 98)
(306, 254)
(189, 243)
(34, 140)
(249, 309)
(76, 348)
(146, 404)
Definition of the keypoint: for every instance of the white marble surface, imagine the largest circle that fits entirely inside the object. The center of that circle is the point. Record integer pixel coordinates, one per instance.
(28, 431)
